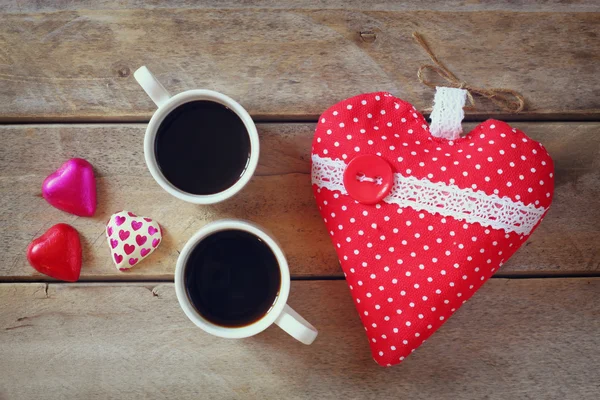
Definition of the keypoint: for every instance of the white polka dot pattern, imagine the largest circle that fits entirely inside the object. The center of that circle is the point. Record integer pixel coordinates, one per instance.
(410, 270)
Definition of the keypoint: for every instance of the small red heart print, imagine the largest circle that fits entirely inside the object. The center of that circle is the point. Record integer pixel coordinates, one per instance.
(152, 230)
(118, 258)
(132, 261)
(114, 243)
(123, 235)
(140, 240)
(144, 252)
(129, 248)
(136, 225)
(119, 220)
(155, 242)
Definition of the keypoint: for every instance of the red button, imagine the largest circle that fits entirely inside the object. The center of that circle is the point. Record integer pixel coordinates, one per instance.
(368, 179)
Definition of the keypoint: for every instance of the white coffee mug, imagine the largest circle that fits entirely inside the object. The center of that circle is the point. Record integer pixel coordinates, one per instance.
(280, 313)
(166, 104)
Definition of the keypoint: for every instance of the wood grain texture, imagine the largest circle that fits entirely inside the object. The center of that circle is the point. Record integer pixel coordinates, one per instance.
(290, 63)
(16, 6)
(517, 339)
(279, 198)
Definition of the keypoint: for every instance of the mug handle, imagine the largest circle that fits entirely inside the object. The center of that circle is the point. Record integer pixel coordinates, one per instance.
(296, 326)
(151, 86)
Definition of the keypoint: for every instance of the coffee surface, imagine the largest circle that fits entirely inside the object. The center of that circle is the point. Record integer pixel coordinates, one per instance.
(202, 147)
(232, 278)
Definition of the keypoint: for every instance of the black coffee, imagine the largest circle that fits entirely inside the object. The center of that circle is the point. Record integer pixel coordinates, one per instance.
(232, 278)
(202, 147)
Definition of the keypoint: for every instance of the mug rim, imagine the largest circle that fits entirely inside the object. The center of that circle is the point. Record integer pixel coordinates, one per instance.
(232, 332)
(185, 97)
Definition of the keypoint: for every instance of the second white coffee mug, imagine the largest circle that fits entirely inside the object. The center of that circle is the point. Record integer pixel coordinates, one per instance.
(166, 104)
(279, 313)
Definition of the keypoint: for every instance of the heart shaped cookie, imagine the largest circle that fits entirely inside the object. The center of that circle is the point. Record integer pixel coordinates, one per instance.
(57, 253)
(131, 238)
(72, 188)
(419, 223)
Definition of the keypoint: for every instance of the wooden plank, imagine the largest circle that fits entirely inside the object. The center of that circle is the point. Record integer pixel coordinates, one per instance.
(360, 5)
(279, 198)
(289, 63)
(524, 339)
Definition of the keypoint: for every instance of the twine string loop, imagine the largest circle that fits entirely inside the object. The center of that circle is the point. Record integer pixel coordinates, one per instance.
(507, 99)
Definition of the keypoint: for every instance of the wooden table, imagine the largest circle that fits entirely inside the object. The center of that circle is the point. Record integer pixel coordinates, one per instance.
(67, 90)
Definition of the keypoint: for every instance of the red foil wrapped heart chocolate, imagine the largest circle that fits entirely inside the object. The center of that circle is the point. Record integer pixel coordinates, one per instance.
(57, 253)
(456, 211)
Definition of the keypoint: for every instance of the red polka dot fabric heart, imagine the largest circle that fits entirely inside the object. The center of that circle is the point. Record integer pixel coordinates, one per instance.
(418, 242)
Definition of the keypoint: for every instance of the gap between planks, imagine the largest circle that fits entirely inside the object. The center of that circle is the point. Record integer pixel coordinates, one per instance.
(303, 119)
(138, 279)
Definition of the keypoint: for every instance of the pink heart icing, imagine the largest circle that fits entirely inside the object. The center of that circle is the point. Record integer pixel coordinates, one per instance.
(72, 188)
(143, 252)
(114, 243)
(129, 248)
(140, 240)
(148, 219)
(132, 261)
(109, 230)
(119, 220)
(118, 258)
(123, 235)
(131, 214)
(152, 230)
(155, 242)
(136, 225)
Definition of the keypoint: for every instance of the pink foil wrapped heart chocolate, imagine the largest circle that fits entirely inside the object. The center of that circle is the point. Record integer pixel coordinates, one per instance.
(131, 238)
(419, 223)
(72, 188)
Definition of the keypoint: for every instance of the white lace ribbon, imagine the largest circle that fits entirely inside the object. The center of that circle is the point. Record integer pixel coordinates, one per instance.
(447, 113)
(466, 204)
